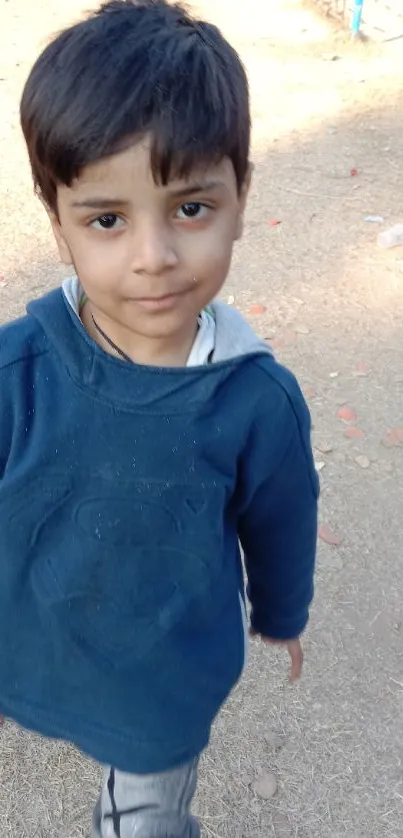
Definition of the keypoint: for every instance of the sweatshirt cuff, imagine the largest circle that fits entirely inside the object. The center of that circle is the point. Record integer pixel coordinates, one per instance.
(278, 629)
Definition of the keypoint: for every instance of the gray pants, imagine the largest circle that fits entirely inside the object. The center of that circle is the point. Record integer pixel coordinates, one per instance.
(147, 805)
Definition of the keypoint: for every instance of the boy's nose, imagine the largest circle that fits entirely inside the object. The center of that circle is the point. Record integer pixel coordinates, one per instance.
(153, 249)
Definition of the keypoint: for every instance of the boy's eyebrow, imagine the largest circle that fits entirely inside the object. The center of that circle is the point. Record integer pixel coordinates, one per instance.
(182, 191)
(99, 203)
(206, 186)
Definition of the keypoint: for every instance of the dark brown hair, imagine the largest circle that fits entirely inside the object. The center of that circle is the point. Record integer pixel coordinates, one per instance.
(135, 67)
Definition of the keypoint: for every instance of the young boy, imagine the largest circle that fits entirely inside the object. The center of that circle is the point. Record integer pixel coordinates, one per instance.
(145, 430)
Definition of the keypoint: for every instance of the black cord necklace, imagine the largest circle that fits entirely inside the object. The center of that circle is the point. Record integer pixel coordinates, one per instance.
(111, 343)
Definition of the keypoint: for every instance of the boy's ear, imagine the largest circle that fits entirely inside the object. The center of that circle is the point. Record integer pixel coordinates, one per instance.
(62, 246)
(243, 197)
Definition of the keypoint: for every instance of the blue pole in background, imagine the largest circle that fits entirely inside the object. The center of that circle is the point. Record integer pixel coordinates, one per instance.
(356, 17)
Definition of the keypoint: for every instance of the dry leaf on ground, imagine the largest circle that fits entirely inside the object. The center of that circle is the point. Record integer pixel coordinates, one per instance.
(354, 433)
(393, 438)
(284, 339)
(361, 370)
(346, 414)
(328, 536)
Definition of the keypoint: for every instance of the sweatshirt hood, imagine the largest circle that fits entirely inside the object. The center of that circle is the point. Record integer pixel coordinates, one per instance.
(115, 379)
(234, 336)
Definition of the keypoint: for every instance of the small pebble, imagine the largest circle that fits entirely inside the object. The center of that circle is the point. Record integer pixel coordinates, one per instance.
(324, 447)
(230, 300)
(319, 466)
(265, 786)
(333, 374)
(273, 739)
(363, 461)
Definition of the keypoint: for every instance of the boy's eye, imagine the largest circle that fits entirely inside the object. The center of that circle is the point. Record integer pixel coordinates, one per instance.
(194, 209)
(109, 221)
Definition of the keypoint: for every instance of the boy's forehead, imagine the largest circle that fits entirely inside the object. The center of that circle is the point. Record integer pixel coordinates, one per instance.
(132, 167)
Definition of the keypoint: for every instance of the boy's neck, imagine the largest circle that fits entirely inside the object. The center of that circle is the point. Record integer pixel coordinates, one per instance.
(148, 351)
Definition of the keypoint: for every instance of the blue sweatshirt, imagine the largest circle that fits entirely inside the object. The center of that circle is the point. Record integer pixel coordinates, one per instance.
(124, 492)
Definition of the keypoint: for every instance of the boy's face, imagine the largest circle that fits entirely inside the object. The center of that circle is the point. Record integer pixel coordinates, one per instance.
(149, 257)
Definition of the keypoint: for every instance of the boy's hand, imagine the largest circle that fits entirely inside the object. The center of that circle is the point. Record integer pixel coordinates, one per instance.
(294, 649)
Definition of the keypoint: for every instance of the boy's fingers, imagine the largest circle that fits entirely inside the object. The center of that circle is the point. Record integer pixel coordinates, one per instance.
(297, 659)
(294, 650)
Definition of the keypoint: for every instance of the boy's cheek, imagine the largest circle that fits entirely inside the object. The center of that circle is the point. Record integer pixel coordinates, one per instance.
(65, 254)
(96, 265)
(239, 227)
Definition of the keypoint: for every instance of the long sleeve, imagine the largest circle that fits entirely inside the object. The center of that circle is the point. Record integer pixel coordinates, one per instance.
(6, 419)
(278, 521)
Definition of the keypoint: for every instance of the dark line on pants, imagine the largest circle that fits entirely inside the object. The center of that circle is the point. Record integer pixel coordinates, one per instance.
(115, 813)
(134, 810)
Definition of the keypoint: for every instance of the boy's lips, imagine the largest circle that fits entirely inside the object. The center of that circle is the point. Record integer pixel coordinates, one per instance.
(165, 301)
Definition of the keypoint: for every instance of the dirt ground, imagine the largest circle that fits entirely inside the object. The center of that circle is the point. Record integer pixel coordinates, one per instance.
(328, 127)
